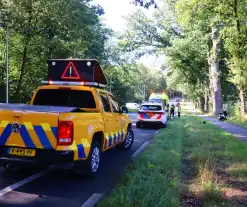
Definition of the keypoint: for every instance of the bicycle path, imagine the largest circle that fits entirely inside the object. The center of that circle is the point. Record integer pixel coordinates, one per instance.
(234, 129)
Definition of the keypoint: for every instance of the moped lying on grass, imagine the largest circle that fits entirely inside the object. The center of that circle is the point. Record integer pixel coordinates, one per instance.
(222, 116)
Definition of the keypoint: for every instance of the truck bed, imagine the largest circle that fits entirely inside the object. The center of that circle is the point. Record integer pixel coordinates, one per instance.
(36, 108)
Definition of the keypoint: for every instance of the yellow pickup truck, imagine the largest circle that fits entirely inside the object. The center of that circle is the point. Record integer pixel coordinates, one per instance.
(71, 119)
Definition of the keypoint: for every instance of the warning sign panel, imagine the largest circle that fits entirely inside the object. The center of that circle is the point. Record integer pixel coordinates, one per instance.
(71, 70)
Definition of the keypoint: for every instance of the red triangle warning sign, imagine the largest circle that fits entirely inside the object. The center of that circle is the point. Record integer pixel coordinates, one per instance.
(70, 72)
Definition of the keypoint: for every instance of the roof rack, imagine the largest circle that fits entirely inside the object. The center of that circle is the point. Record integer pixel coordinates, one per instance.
(92, 84)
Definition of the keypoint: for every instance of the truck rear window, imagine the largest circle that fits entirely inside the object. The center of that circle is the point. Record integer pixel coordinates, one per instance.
(151, 107)
(70, 98)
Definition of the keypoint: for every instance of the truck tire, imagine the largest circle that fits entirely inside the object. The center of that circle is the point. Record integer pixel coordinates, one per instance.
(93, 160)
(89, 167)
(129, 139)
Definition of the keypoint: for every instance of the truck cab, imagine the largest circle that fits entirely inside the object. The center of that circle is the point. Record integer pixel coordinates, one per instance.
(71, 120)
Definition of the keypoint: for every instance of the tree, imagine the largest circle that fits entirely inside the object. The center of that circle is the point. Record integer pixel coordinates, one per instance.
(194, 12)
(188, 66)
(146, 3)
(42, 29)
(127, 81)
(146, 35)
(234, 33)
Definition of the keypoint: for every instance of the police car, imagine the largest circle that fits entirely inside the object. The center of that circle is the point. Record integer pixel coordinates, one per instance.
(151, 113)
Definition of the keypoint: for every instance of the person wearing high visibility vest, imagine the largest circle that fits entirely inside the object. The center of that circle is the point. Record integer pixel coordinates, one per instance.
(164, 98)
(179, 110)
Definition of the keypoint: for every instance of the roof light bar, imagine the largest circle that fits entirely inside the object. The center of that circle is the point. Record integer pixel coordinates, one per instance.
(74, 83)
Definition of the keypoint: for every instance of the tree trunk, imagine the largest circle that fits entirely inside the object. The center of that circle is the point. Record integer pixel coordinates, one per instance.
(206, 106)
(202, 103)
(22, 72)
(215, 73)
(242, 99)
(27, 39)
(211, 94)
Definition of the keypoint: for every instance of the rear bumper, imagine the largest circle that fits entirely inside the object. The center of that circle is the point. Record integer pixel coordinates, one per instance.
(144, 122)
(43, 157)
(151, 121)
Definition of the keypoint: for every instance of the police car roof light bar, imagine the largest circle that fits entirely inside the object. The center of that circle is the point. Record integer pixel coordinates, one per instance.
(74, 83)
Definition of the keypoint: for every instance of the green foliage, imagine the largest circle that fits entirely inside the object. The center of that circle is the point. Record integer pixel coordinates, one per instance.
(43, 29)
(230, 17)
(146, 3)
(145, 35)
(127, 82)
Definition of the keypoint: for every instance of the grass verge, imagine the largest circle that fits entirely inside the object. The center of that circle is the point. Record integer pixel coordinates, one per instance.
(217, 166)
(153, 179)
(188, 164)
(133, 110)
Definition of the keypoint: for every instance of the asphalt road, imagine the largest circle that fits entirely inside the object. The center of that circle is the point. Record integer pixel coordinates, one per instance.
(62, 188)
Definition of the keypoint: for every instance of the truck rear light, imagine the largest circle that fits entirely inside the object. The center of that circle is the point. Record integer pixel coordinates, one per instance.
(65, 133)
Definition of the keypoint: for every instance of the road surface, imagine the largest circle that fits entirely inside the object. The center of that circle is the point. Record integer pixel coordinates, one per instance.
(61, 188)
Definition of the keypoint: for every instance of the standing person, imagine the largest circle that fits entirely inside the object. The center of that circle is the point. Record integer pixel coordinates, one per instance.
(172, 111)
(225, 108)
(124, 108)
(179, 110)
(167, 110)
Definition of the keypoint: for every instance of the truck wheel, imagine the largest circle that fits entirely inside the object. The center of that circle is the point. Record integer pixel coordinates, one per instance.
(129, 139)
(138, 125)
(93, 160)
(89, 168)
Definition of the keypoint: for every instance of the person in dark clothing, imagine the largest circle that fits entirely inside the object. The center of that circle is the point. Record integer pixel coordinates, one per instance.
(172, 111)
(225, 106)
(179, 110)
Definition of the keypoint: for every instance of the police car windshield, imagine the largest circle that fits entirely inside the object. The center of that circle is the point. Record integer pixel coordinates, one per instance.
(151, 107)
(67, 98)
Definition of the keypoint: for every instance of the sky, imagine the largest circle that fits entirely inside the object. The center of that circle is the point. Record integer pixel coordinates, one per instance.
(115, 10)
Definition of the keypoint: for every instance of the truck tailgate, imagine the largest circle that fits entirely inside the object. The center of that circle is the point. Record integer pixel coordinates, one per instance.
(30, 126)
(28, 129)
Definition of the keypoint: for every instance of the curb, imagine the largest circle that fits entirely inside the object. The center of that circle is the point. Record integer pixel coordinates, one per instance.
(141, 149)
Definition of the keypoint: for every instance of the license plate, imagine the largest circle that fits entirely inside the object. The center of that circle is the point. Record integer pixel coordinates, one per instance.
(22, 152)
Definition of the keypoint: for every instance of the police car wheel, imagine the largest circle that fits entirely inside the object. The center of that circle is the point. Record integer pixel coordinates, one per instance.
(163, 125)
(129, 139)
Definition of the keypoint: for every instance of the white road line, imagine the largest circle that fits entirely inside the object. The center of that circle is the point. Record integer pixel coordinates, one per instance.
(93, 200)
(157, 132)
(23, 182)
(141, 149)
